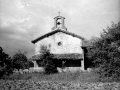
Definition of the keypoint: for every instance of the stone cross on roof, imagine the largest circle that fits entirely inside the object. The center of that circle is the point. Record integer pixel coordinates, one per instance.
(58, 13)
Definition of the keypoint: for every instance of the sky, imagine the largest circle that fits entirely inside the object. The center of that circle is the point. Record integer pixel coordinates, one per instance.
(22, 21)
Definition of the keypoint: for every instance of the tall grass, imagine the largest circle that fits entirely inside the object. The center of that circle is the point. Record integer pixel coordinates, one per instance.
(63, 76)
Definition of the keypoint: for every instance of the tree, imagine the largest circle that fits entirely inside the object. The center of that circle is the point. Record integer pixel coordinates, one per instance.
(105, 52)
(30, 64)
(20, 60)
(6, 66)
(47, 60)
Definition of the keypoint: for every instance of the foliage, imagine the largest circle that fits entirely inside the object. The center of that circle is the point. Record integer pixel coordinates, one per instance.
(5, 64)
(20, 60)
(105, 52)
(56, 85)
(47, 60)
(30, 64)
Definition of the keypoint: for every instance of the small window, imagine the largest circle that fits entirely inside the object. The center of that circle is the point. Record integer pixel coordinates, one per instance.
(59, 43)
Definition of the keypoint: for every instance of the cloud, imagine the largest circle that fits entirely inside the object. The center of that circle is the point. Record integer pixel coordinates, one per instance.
(24, 20)
(12, 41)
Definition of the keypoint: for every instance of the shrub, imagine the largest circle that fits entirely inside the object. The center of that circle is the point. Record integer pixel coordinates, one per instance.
(20, 60)
(105, 52)
(47, 60)
(6, 66)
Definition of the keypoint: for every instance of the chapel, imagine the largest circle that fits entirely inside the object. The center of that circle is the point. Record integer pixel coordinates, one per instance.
(67, 48)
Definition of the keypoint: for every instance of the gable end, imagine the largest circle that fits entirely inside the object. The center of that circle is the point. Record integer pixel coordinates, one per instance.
(53, 32)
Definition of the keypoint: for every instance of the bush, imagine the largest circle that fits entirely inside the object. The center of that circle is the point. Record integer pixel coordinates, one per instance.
(6, 66)
(20, 60)
(105, 52)
(47, 60)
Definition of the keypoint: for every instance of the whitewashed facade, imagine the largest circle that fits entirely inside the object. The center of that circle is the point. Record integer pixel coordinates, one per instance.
(60, 43)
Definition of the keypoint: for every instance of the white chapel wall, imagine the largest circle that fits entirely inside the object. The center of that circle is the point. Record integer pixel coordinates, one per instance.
(69, 44)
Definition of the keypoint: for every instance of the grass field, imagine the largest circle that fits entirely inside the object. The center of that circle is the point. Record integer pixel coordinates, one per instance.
(58, 81)
(64, 76)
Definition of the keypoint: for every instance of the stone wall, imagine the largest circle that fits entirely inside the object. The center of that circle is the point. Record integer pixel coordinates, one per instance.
(70, 69)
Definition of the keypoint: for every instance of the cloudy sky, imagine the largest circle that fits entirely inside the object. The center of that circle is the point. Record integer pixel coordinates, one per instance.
(22, 21)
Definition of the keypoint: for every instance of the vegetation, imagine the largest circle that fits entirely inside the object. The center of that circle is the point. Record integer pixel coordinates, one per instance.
(56, 85)
(63, 76)
(20, 60)
(47, 60)
(105, 52)
(6, 66)
(58, 81)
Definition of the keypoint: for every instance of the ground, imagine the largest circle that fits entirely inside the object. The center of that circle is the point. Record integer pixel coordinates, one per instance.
(59, 81)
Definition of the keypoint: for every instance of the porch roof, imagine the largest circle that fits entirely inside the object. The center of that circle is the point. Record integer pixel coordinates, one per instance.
(73, 56)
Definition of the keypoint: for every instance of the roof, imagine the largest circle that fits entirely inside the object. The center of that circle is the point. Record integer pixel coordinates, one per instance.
(59, 17)
(35, 57)
(86, 43)
(53, 32)
(73, 56)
